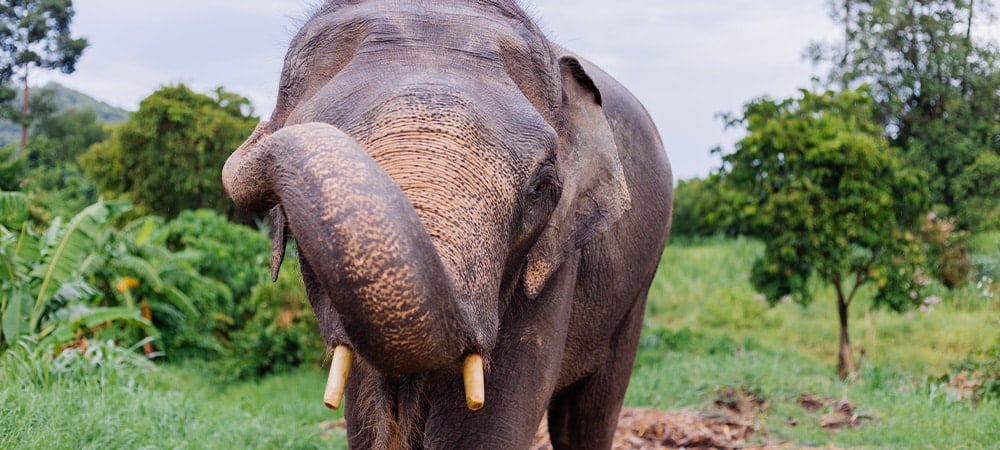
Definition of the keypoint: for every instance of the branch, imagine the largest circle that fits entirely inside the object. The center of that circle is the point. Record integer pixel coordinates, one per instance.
(861, 276)
(859, 279)
(839, 288)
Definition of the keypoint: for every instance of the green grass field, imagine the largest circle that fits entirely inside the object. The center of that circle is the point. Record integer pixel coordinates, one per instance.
(706, 333)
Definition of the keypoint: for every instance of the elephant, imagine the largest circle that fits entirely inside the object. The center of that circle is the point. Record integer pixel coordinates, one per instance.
(478, 214)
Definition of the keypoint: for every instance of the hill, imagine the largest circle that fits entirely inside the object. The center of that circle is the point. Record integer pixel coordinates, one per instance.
(65, 99)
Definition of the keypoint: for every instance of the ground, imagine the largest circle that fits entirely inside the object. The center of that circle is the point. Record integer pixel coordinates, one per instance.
(730, 423)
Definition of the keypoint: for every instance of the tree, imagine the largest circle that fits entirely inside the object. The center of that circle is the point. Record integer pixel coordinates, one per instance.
(935, 85)
(167, 157)
(55, 179)
(703, 208)
(34, 33)
(829, 197)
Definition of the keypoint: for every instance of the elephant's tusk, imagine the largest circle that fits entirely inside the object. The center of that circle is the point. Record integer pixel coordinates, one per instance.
(475, 388)
(340, 368)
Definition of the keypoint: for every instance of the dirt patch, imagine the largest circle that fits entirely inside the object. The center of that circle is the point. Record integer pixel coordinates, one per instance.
(649, 429)
(811, 403)
(729, 424)
(838, 413)
(741, 402)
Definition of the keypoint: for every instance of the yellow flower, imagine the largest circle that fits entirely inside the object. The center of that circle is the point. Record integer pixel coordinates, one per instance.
(126, 283)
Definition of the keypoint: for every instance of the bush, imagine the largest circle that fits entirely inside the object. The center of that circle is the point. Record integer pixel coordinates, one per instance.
(980, 373)
(730, 310)
(703, 208)
(234, 254)
(978, 191)
(12, 169)
(32, 363)
(279, 331)
(944, 245)
(265, 327)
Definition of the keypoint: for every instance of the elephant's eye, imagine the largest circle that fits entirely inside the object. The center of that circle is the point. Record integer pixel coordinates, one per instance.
(539, 191)
(545, 185)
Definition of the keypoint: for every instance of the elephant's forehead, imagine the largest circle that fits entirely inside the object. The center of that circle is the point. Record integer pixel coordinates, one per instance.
(423, 20)
(484, 124)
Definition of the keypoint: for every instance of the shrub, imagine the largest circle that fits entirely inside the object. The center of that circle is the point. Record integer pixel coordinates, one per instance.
(234, 254)
(279, 330)
(33, 363)
(979, 373)
(944, 245)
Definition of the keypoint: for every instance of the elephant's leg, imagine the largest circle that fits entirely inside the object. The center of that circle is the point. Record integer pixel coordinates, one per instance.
(585, 414)
(521, 376)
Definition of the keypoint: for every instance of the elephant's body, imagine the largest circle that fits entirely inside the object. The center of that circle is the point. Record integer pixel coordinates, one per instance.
(489, 193)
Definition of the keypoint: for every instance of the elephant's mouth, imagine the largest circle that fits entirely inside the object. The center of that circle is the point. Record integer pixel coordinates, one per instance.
(343, 360)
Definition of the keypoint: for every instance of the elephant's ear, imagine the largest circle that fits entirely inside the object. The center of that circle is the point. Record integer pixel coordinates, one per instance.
(594, 191)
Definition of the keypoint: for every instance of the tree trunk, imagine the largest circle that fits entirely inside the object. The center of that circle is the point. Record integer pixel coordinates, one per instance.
(24, 115)
(845, 356)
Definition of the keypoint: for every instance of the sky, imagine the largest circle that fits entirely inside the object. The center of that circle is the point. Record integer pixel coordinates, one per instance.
(686, 61)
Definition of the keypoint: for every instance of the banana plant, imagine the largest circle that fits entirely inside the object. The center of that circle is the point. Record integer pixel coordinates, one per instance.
(43, 292)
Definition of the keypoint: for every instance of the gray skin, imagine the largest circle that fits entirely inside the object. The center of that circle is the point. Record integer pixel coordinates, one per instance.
(457, 183)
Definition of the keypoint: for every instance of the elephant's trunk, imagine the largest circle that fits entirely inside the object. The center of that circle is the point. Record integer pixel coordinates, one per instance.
(363, 239)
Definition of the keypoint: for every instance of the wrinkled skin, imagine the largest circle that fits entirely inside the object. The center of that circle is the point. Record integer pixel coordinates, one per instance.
(458, 184)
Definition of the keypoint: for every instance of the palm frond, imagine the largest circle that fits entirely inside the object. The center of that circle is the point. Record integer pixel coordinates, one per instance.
(73, 291)
(13, 321)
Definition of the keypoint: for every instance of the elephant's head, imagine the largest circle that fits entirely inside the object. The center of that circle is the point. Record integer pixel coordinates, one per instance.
(433, 160)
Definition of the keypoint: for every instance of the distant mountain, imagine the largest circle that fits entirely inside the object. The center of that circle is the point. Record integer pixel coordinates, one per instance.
(65, 99)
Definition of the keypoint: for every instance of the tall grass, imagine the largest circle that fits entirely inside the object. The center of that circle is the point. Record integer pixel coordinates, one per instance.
(101, 407)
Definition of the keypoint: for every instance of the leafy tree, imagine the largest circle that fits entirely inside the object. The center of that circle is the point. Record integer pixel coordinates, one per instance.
(67, 135)
(703, 208)
(829, 197)
(977, 189)
(55, 179)
(34, 33)
(936, 89)
(168, 155)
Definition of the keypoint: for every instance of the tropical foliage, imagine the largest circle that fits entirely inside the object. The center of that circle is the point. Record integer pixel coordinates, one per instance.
(44, 285)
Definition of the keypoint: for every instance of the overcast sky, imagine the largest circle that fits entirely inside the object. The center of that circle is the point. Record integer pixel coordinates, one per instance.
(686, 60)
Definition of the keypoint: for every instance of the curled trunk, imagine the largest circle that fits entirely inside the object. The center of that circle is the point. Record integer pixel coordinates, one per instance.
(362, 237)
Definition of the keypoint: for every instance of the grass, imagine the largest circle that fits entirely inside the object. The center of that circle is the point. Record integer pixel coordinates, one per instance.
(172, 407)
(706, 331)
